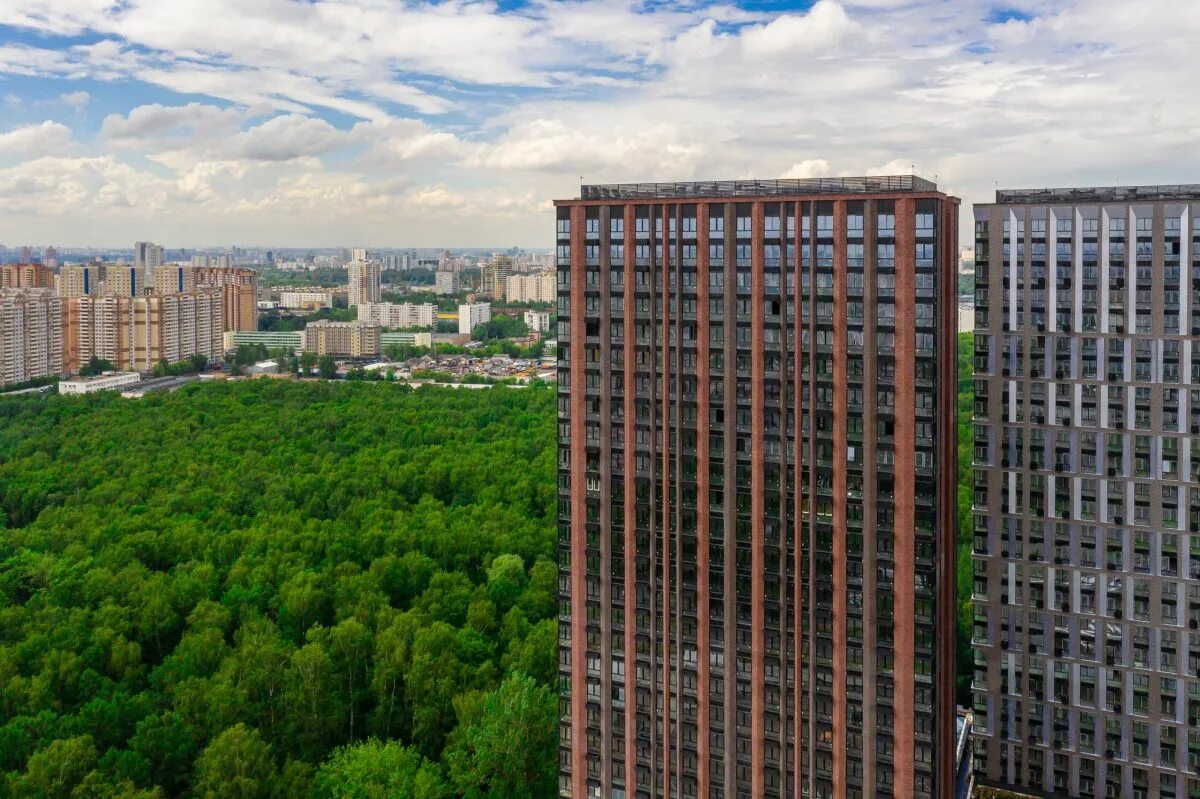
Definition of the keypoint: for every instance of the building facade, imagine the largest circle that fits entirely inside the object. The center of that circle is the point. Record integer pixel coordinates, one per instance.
(139, 332)
(537, 321)
(78, 280)
(472, 315)
(757, 489)
(239, 293)
(493, 276)
(398, 315)
(364, 276)
(1086, 505)
(26, 276)
(344, 339)
(537, 287)
(148, 257)
(305, 300)
(174, 279)
(445, 281)
(123, 280)
(31, 344)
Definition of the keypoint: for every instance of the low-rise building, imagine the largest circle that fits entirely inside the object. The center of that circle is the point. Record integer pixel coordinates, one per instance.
(537, 321)
(291, 341)
(472, 316)
(105, 382)
(345, 339)
(308, 300)
(397, 315)
(405, 339)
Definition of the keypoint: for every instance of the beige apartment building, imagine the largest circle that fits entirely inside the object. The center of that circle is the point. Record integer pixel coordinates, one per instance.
(346, 339)
(30, 335)
(139, 332)
(78, 280)
(174, 279)
(123, 280)
(539, 287)
(364, 281)
(239, 293)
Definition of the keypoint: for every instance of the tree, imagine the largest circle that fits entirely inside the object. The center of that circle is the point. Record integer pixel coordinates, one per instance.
(55, 771)
(505, 746)
(327, 367)
(236, 765)
(379, 770)
(308, 361)
(96, 366)
(506, 580)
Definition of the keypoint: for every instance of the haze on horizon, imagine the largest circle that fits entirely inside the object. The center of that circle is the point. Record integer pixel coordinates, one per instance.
(331, 122)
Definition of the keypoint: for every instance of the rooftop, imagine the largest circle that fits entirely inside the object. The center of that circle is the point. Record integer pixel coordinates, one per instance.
(1099, 194)
(757, 188)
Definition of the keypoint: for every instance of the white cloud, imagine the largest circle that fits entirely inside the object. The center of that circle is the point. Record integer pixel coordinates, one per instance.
(48, 138)
(394, 122)
(76, 100)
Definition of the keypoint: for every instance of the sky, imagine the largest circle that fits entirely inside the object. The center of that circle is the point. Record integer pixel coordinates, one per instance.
(381, 123)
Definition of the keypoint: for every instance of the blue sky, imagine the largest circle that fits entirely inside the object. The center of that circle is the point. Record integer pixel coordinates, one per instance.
(388, 123)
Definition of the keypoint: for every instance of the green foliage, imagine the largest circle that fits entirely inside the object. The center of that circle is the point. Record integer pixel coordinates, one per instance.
(189, 366)
(277, 589)
(966, 452)
(500, 327)
(96, 366)
(288, 322)
(326, 367)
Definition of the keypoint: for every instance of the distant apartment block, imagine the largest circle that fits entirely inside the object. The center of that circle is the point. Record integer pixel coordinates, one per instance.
(79, 280)
(538, 287)
(398, 315)
(364, 281)
(123, 280)
(239, 294)
(537, 321)
(174, 279)
(445, 282)
(344, 339)
(1086, 500)
(473, 315)
(493, 276)
(148, 257)
(757, 488)
(26, 276)
(305, 300)
(30, 335)
(109, 381)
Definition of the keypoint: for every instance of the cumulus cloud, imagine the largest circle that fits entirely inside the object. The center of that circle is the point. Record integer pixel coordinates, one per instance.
(48, 138)
(76, 100)
(328, 119)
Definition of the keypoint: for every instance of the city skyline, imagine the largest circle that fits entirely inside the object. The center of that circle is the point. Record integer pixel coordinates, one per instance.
(304, 124)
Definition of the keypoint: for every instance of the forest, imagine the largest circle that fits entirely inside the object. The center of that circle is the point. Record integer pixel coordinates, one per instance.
(271, 589)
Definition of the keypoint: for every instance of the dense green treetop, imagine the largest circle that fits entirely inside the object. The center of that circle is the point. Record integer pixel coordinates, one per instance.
(270, 589)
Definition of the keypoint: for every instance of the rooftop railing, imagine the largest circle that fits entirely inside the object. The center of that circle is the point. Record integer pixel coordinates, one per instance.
(1099, 194)
(757, 188)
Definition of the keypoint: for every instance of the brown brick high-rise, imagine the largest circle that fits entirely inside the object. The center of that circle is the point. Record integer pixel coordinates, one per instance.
(757, 489)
